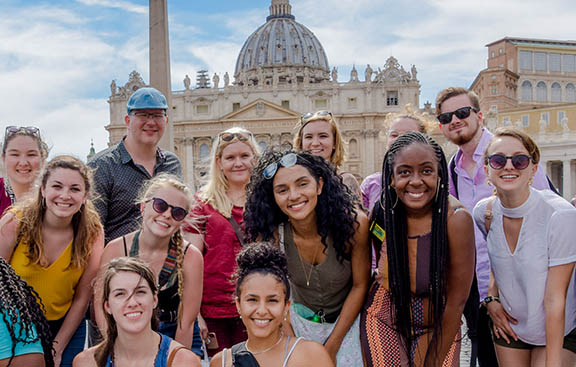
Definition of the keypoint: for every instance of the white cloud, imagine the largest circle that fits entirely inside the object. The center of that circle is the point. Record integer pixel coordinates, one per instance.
(118, 4)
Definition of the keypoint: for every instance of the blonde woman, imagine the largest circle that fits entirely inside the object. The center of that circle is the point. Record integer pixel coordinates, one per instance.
(54, 241)
(164, 203)
(214, 227)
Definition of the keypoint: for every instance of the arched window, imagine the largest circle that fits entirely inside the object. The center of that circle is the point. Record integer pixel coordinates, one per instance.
(262, 145)
(204, 152)
(556, 92)
(570, 93)
(526, 90)
(541, 92)
(353, 148)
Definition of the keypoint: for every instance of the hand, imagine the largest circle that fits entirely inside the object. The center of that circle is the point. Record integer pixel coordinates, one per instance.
(203, 327)
(332, 349)
(57, 358)
(501, 320)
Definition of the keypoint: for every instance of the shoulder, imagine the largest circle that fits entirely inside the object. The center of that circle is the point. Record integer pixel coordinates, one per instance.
(308, 350)
(183, 356)
(106, 156)
(480, 208)
(458, 216)
(216, 361)
(193, 255)
(115, 248)
(85, 358)
(170, 159)
(371, 180)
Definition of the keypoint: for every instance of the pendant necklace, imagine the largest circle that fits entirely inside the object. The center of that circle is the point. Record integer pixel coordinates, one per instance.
(309, 275)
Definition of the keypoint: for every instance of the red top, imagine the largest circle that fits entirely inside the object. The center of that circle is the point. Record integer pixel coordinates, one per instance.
(220, 249)
(5, 201)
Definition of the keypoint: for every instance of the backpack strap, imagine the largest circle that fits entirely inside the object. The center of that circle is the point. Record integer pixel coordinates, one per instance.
(172, 355)
(453, 174)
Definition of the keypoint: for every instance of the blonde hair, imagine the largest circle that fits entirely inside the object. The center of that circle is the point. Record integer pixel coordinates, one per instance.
(85, 222)
(450, 92)
(421, 119)
(214, 191)
(339, 154)
(149, 188)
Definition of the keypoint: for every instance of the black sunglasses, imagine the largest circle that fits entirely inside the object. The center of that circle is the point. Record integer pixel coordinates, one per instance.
(227, 137)
(160, 206)
(498, 161)
(461, 113)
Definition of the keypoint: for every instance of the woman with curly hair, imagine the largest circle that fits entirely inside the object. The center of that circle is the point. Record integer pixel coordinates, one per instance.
(25, 337)
(298, 201)
(214, 227)
(263, 301)
(164, 203)
(130, 297)
(425, 243)
(54, 241)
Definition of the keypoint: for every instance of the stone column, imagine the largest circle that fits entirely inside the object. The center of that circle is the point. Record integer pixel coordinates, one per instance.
(189, 169)
(160, 63)
(566, 179)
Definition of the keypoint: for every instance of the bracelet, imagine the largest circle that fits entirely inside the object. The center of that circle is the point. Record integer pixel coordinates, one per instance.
(490, 299)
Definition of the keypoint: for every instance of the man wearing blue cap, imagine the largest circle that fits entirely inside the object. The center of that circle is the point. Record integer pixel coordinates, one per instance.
(121, 169)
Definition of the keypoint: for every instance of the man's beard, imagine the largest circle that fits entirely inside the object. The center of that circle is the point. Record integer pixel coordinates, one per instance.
(464, 138)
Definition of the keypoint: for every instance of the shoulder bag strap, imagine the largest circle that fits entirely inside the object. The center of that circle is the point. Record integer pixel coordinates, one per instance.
(172, 355)
(488, 214)
(237, 230)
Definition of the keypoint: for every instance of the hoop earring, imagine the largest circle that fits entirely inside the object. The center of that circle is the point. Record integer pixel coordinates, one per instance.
(438, 187)
(395, 203)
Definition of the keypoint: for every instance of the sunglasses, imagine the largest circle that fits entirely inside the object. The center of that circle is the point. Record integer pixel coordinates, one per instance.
(227, 137)
(310, 116)
(461, 113)
(160, 206)
(32, 130)
(498, 161)
(288, 160)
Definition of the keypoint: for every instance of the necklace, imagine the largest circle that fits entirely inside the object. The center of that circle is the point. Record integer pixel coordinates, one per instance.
(267, 349)
(112, 355)
(309, 275)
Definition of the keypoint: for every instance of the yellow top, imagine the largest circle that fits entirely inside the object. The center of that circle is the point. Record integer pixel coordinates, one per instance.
(56, 284)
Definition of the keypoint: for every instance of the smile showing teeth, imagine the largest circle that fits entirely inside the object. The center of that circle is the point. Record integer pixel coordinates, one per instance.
(262, 322)
(297, 206)
(507, 177)
(415, 195)
(133, 314)
(63, 205)
(165, 225)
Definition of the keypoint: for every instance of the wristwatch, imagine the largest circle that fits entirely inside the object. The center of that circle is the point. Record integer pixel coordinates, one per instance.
(490, 299)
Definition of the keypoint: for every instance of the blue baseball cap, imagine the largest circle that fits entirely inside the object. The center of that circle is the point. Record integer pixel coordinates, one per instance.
(147, 98)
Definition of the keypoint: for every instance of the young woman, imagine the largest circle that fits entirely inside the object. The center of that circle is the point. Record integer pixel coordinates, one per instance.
(54, 241)
(214, 227)
(298, 201)
(319, 134)
(164, 202)
(25, 338)
(23, 154)
(263, 301)
(130, 296)
(530, 236)
(425, 242)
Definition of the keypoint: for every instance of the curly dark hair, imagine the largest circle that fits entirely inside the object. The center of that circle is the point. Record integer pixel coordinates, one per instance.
(19, 305)
(335, 211)
(262, 258)
(393, 219)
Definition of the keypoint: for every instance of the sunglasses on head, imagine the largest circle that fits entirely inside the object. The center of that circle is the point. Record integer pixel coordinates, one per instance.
(31, 130)
(160, 206)
(461, 113)
(288, 160)
(227, 137)
(311, 116)
(498, 161)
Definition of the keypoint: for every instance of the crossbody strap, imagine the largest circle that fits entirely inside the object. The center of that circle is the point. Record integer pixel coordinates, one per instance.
(488, 214)
(237, 230)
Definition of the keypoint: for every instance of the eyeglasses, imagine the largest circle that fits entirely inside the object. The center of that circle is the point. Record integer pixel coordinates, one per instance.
(310, 116)
(288, 160)
(461, 113)
(160, 206)
(227, 137)
(146, 115)
(498, 161)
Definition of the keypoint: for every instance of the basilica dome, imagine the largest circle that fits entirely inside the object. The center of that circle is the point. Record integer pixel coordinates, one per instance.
(281, 44)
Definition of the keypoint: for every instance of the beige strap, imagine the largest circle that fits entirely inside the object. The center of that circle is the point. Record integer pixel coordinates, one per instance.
(488, 214)
(172, 355)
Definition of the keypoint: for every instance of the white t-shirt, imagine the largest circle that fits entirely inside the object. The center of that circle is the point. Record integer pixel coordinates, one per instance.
(547, 238)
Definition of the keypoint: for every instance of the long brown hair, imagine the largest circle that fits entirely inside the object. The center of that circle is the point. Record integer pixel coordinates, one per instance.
(85, 223)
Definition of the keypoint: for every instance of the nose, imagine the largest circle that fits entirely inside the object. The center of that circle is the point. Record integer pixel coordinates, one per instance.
(131, 301)
(293, 194)
(416, 179)
(261, 310)
(508, 164)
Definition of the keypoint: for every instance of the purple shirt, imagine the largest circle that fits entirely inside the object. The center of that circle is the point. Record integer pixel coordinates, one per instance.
(371, 188)
(471, 191)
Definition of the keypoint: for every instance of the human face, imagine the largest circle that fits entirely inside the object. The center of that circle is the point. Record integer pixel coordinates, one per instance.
(415, 177)
(461, 131)
(22, 160)
(509, 179)
(64, 192)
(296, 192)
(398, 127)
(236, 162)
(262, 305)
(146, 130)
(131, 302)
(163, 225)
(318, 138)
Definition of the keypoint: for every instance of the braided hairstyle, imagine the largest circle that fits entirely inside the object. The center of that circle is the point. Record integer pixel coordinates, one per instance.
(393, 219)
(19, 306)
(335, 210)
(262, 258)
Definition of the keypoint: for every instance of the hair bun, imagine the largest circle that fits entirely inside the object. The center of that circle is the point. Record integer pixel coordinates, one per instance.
(261, 255)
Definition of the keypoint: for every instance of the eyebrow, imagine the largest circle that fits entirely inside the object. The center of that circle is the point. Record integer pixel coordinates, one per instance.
(296, 180)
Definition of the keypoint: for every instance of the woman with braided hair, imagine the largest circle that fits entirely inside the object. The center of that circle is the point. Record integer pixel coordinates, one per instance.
(25, 337)
(425, 242)
(164, 202)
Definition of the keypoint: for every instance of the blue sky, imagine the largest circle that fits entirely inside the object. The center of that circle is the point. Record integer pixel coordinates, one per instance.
(58, 57)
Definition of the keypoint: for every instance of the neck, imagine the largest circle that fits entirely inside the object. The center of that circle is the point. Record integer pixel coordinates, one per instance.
(469, 148)
(52, 222)
(140, 152)
(515, 198)
(306, 227)
(148, 241)
(262, 345)
(20, 189)
(237, 194)
(138, 346)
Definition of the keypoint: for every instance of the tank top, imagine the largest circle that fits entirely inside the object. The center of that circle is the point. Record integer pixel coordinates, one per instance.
(55, 284)
(241, 347)
(161, 359)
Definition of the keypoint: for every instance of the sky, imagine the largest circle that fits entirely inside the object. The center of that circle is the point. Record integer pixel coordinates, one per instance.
(58, 57)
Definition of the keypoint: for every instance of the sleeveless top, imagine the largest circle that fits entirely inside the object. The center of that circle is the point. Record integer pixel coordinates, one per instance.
(330, 280)
(241, 347)
(161, 359)
(168, 298)
(55, 284)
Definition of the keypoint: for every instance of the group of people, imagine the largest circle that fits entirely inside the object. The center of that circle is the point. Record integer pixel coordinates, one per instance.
(282, 258)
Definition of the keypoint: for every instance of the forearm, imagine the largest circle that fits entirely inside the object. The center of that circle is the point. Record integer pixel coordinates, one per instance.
(350, 310)
(451, 321)
(71, 322)
(555, 319)
(185, 332)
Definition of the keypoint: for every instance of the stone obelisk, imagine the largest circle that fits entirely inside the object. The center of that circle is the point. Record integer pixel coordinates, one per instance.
(160, 63)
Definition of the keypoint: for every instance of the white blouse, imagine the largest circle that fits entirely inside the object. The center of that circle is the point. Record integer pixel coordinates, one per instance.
(547, 238)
